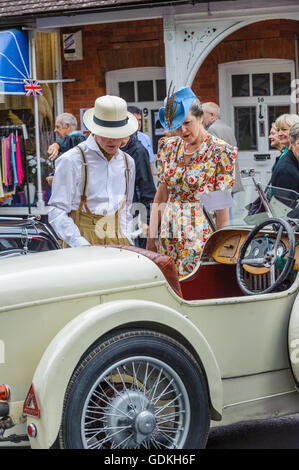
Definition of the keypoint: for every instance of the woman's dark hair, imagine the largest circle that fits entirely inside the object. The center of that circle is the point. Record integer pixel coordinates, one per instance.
(134, 110)
(196, 108)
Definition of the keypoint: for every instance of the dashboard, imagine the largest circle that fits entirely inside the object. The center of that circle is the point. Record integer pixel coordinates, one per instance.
(227, 247)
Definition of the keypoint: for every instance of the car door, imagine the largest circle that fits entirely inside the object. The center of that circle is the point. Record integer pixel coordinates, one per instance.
(293, 340)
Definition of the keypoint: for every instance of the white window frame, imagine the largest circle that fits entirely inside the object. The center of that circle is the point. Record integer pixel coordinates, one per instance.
(137, 74)
(225, 72)
(227, 103)
(133, 74)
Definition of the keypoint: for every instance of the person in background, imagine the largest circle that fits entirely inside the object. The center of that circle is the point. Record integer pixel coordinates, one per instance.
(285, 173)
(145, 189)
(273, 138)
(94, 182)
(283, 124)
(141, 136)
(189, 164)
(68, 137)
(218, 128)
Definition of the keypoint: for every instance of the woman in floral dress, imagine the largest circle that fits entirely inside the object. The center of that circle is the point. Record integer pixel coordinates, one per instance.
(188, 165)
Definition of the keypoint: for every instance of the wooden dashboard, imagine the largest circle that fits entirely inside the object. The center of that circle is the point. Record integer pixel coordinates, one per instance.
(227, 247)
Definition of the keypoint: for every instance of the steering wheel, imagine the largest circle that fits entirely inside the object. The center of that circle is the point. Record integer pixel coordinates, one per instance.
(263, 252)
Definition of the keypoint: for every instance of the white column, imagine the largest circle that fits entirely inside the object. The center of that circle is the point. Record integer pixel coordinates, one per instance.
(172, 69)
(40, 202)
(59, 91)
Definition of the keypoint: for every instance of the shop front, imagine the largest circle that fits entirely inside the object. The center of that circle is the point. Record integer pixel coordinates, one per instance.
(27, 116)
(244, 57)
(248, 67)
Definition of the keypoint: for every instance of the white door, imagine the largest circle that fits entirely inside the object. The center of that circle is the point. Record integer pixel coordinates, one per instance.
(252, 94)
(145, 88)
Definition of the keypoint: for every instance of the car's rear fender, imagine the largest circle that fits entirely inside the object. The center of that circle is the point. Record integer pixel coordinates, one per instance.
(65, 350)
(293, 340)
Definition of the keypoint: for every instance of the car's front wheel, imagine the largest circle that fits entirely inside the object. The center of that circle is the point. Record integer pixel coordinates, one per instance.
(139, 389)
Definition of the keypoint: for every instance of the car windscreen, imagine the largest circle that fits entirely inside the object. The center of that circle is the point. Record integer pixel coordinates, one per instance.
(258, 202)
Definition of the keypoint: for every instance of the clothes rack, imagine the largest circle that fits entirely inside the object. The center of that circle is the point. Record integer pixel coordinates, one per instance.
(23, 128)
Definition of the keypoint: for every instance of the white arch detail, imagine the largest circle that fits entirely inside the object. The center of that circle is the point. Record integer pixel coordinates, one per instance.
(188, 44)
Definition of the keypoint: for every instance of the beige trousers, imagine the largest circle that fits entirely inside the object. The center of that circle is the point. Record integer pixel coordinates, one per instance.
(99, 229)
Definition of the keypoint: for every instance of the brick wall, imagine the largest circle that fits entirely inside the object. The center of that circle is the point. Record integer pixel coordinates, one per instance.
(267, 39)
(108, 47)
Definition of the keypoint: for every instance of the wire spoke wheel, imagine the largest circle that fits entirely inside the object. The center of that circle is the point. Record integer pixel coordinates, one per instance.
(138, 390)
(136, 403)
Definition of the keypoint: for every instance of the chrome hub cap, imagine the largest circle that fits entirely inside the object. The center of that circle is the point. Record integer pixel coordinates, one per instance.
(139, 422)
(145, 422)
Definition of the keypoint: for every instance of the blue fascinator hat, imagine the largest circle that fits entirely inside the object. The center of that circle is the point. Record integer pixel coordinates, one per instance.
(176, 107)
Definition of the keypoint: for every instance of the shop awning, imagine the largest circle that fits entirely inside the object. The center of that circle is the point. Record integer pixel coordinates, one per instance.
(14, 61)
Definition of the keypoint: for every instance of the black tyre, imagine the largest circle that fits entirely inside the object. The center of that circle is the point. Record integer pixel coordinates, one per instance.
(139, 389)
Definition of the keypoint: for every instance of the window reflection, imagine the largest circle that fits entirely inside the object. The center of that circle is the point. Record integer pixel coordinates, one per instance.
(145, 90)
(261, 84)
(245, 127)
(161, 89)
(126, 91)
(282, 83)
(240, 85)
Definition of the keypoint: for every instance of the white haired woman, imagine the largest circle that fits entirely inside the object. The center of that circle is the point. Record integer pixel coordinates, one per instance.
(286, 172)
(283, 124)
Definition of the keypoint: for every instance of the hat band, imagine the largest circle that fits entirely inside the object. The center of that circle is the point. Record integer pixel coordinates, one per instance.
(103, 123)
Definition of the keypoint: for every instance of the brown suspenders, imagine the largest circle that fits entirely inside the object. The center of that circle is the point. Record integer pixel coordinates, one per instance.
(85, 180)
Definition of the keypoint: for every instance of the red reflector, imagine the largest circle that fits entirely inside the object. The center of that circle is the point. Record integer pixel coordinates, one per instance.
(31, 430)
(31, 404)
(4, 392)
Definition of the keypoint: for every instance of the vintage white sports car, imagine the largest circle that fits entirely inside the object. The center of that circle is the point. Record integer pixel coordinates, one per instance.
(103, 348)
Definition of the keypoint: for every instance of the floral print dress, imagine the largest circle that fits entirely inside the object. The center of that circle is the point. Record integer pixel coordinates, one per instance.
(184, 228)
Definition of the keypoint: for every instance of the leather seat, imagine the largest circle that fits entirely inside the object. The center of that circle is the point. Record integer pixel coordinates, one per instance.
(165, 263)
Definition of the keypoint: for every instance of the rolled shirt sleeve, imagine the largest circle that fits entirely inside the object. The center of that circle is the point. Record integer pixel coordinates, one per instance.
(65, 190)
(105, 192)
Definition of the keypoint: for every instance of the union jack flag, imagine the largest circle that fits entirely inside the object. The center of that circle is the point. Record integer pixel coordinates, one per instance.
(32, 87)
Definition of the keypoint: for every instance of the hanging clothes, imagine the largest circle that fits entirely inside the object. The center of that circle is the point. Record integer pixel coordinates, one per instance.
(5, 191)
(1, 172)
(11, 170)
(1, 161)
(20, 173)
(8, 163)
(12, 140)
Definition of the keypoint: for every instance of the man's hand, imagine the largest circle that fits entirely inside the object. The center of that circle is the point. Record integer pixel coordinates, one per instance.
(49, 180)
(145, 229)
(53, 151)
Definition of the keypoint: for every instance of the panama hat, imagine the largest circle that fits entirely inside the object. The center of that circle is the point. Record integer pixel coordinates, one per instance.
(176, 108)
(110, 118)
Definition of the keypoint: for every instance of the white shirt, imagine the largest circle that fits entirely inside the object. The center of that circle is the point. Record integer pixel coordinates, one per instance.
(105, 192)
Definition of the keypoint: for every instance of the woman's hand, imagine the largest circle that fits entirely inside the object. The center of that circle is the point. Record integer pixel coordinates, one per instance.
(151, 245)
(160, 199)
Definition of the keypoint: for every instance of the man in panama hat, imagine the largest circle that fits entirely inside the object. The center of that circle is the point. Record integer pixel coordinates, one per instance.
(94, 182)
